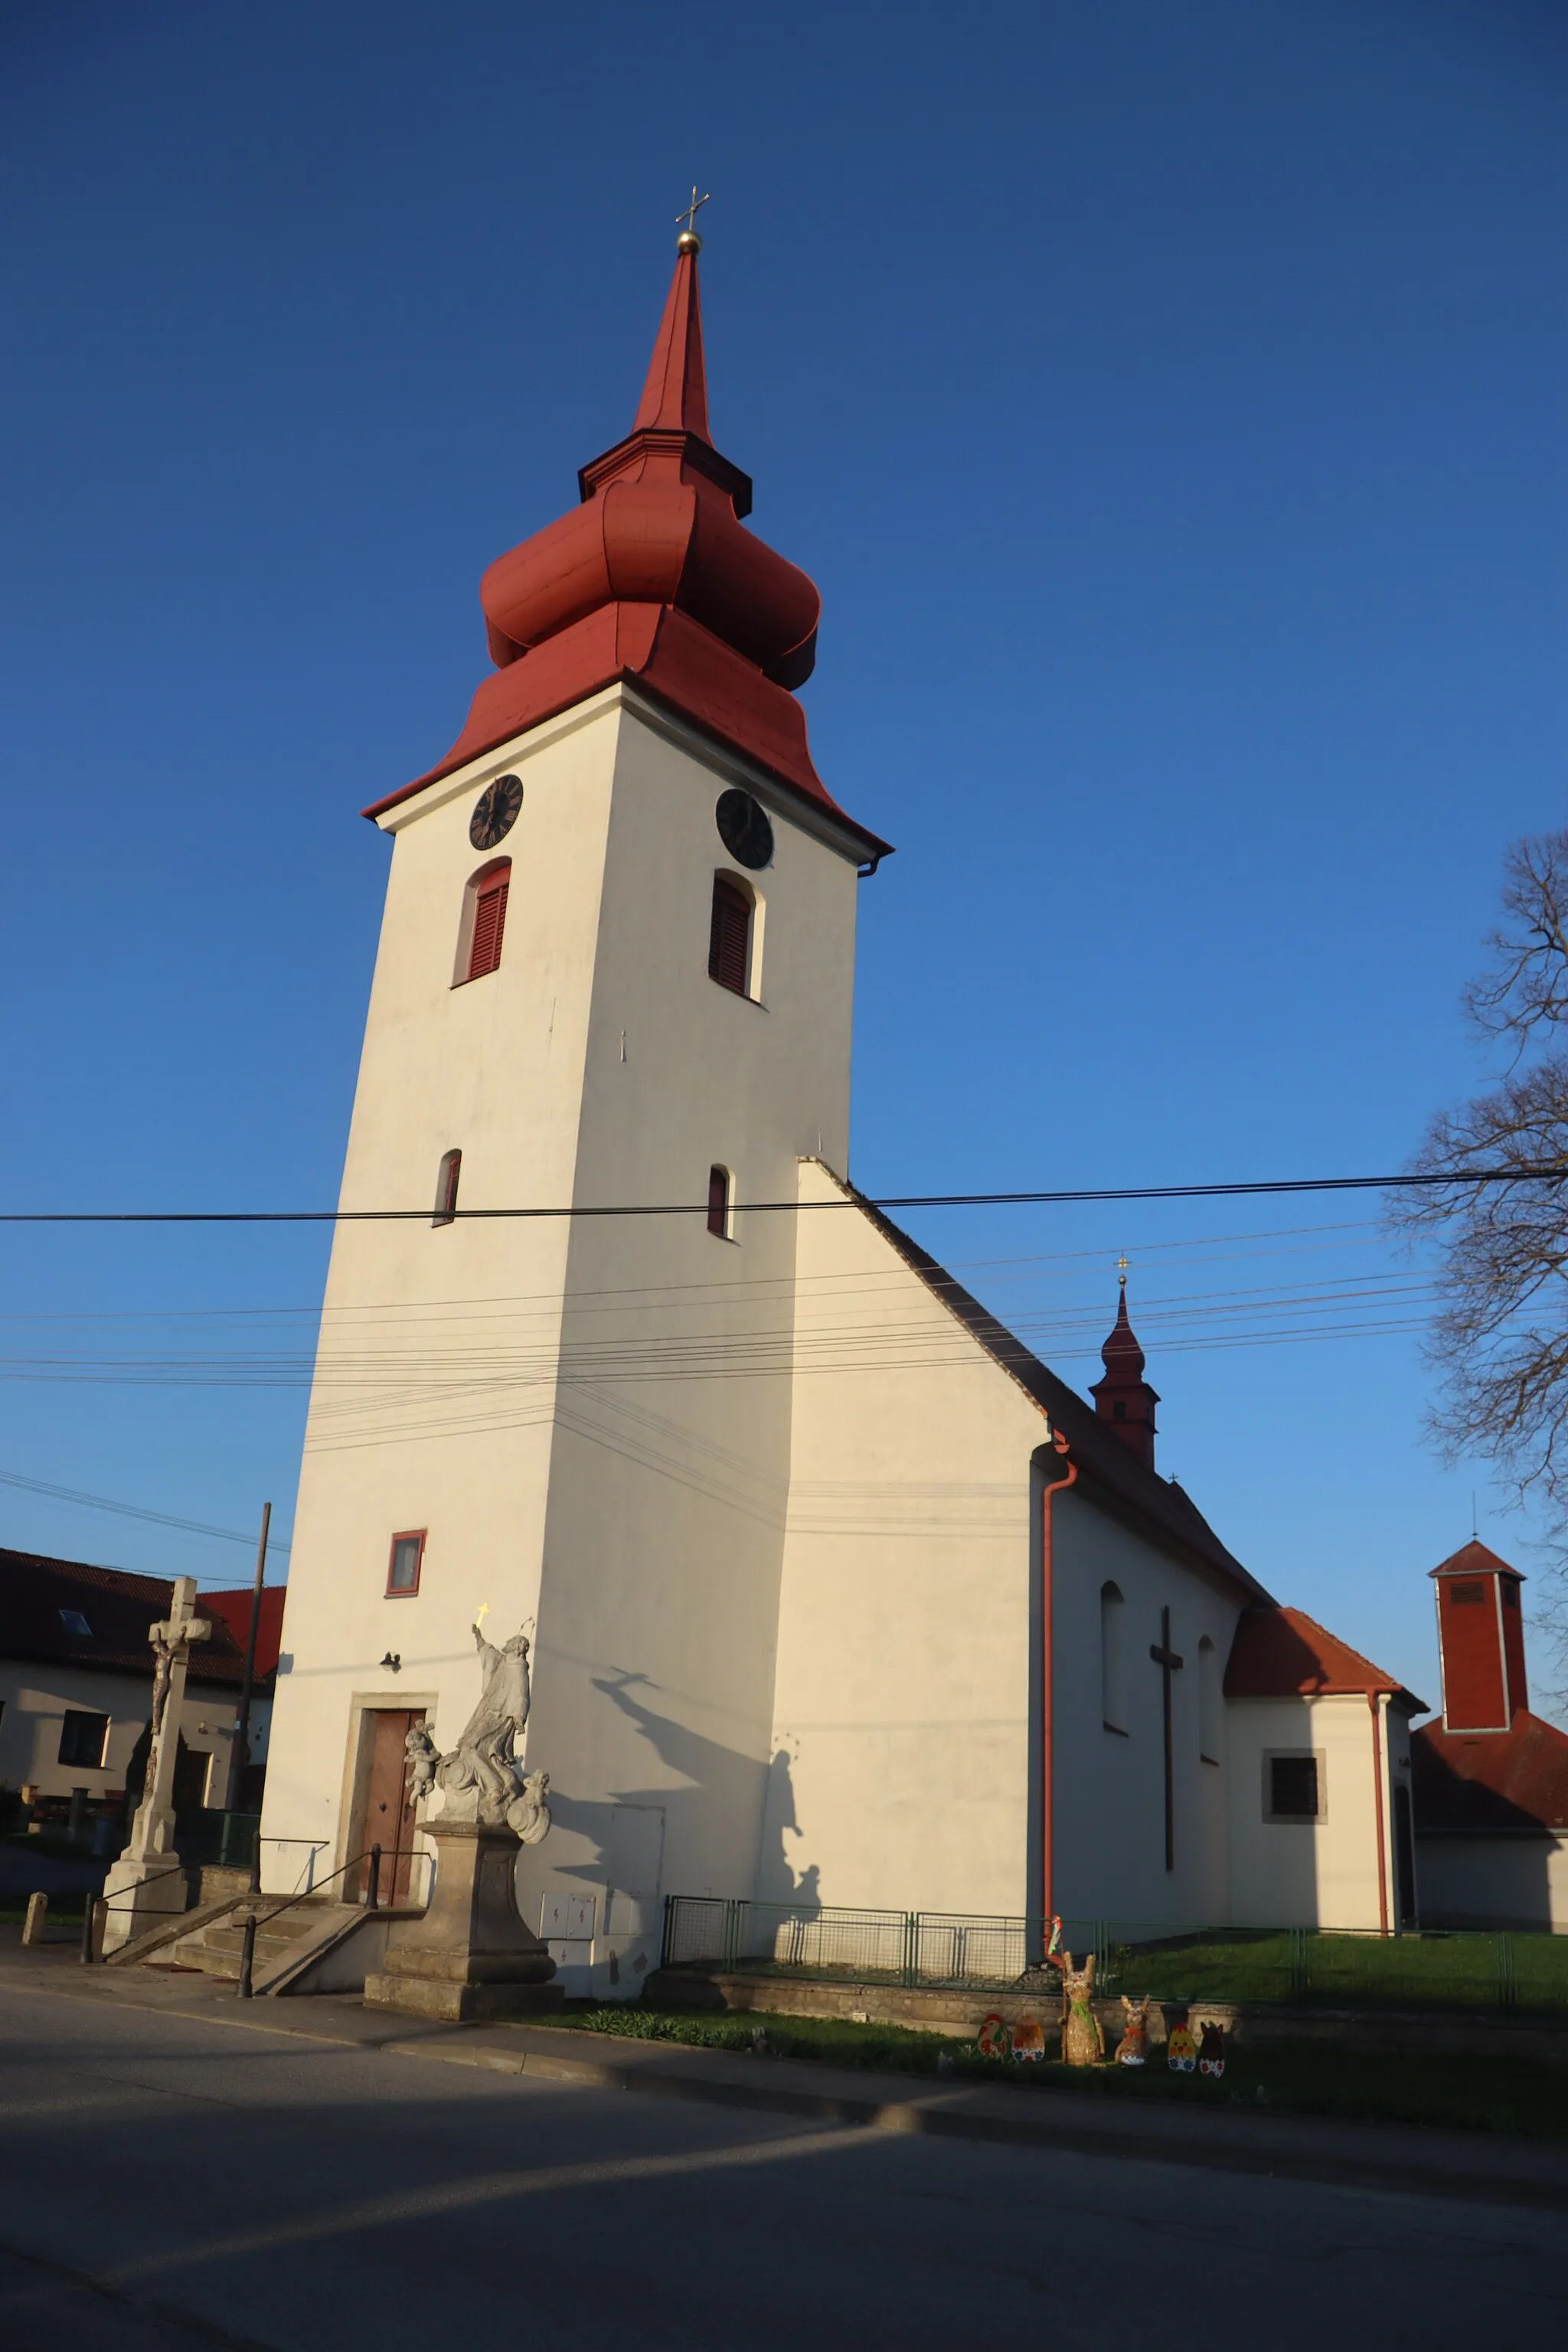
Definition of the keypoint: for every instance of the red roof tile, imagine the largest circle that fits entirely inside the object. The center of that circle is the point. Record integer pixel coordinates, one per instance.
(234, 1607)
(117, 1606)
(1512, 1780)
(1285, 1653)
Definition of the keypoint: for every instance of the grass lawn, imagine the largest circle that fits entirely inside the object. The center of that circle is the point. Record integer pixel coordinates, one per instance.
(1430, 1972)
(1510, 2095)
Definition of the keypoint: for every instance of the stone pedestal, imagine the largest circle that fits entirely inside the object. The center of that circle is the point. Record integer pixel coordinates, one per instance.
(470, 1955)
(142, 1892)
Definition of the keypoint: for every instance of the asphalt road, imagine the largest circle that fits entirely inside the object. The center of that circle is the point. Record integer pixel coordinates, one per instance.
(168, 2184)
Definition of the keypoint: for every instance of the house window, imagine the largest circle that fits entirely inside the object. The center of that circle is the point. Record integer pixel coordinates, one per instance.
(1112, 1659)
(1208, 1701)
(1293, 1786)
(83, 1738)
(719, 1204)
(730, 935)
(403, 1567)
(484, 921)
(446, 1177)
(75, 1623)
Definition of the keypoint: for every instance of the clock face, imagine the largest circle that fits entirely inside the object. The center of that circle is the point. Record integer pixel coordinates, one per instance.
(495, 812)
(743, 829)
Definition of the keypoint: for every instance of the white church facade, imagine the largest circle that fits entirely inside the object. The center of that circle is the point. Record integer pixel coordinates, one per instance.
(837, 1596)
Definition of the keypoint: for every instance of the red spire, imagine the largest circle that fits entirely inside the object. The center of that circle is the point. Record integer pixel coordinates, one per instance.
(675, 395)
(1124, 1398)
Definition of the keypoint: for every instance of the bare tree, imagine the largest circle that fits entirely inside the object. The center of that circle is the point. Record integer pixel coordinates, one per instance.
(1500, 1341)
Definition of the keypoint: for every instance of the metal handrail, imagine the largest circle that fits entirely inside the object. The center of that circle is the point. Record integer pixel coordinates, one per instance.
(247, 1939)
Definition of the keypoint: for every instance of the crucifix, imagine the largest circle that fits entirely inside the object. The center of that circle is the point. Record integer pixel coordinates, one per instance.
(1167, 1660)
(147, 1882)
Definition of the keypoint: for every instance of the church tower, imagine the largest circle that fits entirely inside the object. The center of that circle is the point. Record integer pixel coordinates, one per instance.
(616, 967)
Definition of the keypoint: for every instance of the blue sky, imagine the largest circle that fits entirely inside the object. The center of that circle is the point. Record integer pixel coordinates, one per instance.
(1167, 402)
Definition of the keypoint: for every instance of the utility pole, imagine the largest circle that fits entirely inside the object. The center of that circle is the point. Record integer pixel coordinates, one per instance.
(240, 1751)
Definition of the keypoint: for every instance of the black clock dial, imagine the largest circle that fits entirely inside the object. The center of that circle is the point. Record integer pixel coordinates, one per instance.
(743, 829)
(495, 812)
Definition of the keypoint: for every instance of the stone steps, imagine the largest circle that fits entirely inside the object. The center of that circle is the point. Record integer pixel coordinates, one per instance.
(216, 1949)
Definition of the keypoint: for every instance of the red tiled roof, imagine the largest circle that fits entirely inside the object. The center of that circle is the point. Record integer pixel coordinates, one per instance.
(1474, 1560)
(1512, 1780)
(234, 1607)
(1285, 1653)
(118, 1606)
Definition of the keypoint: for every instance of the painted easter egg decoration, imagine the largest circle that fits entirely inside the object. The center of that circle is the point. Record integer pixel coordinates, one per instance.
(1211, 2051)
(993, 2038)
(1028, 2039)
(1180, 2055)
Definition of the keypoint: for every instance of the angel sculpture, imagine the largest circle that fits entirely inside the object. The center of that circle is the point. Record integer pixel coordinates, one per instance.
(423, 1755)
(528, 1814)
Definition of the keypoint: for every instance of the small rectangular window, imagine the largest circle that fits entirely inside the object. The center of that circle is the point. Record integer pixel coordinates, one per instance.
(1466, 1596)
(1510, 1594)
(446, 1179)
(1293, 1787)
(83, 1738)
(404, 1567)
(718, 1203)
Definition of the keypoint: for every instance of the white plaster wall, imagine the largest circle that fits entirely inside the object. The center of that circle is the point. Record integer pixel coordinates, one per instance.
(1321, 1874)
(503, 1384)
(671, 1449)
(902, 1733)
(35, 1700)
(906, 1754)
(435, 1380)
(1110, 1842)
(1508, 1879)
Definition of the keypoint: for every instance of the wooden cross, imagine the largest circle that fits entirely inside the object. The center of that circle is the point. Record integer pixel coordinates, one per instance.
(1167, 1660)
(692, 209)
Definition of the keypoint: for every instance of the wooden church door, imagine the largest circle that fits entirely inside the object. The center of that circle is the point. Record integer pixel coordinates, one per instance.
(389, 1817)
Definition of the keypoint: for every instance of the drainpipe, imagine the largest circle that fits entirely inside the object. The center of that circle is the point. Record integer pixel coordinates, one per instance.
(1375, 1703)
(1053, 1486)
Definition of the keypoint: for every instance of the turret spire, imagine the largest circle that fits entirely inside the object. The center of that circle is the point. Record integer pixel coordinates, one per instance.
(1123, 1397)
(675, 395)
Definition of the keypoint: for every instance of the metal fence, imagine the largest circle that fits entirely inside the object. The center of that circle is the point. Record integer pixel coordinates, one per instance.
(963, 1951)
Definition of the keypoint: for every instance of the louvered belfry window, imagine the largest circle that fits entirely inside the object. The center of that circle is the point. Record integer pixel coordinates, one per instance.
(730, 937)
(489, 922)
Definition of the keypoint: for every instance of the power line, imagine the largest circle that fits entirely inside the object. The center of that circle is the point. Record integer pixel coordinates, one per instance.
(130, 1510)
(1056, 1198)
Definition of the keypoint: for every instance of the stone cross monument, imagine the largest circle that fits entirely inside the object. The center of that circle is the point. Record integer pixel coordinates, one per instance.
(148, 1881)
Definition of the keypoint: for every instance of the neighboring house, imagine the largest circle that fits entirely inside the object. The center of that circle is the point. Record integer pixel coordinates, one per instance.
(1491, 1778)
(76, 1681)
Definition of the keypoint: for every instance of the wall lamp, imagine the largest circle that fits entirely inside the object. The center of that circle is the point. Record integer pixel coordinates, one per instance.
(392, 1662)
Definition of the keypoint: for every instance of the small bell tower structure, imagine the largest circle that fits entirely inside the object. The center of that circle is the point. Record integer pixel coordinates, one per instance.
(1122, 1397)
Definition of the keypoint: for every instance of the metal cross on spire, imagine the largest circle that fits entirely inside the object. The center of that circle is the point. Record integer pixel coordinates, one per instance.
(1121, 1269)
(690, 218)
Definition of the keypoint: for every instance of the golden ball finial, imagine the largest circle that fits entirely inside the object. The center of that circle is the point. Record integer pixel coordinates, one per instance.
(688, 242)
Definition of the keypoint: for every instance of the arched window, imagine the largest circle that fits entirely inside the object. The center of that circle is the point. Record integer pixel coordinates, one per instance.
(446, 1177)
(1112, 1659)
(718, 1203)
(730, 935)
(1208, 1701)
(484, 921)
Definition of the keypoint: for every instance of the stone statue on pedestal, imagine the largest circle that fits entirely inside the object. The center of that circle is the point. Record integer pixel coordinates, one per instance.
(471, 1956)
